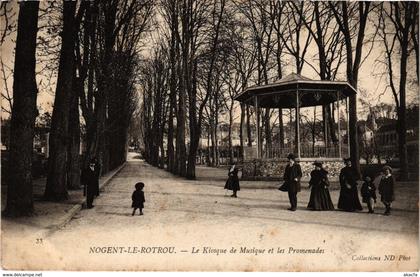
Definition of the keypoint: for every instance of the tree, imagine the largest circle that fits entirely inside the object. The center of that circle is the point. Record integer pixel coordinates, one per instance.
(330, 46)
(351, 19)
(261, 17)
(170, 8)
(24, 111)
(56, 188)
(243, 63)
(196, 117)
(396, 26)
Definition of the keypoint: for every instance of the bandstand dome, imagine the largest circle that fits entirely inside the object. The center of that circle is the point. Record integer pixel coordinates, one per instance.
(282, 93)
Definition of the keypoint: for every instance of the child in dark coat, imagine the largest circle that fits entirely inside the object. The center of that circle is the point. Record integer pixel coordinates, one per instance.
(386, 189)
(138, 198)
(232, 182)
(368, 192)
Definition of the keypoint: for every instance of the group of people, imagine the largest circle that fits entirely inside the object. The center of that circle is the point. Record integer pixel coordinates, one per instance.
(320, 198)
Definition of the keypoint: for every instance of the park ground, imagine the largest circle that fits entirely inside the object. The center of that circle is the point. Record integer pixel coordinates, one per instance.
(206, 230)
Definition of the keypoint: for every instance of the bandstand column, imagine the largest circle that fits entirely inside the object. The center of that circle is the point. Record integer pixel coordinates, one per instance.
(338, 123)
(297, 124)
(348, 126)
(257, 113)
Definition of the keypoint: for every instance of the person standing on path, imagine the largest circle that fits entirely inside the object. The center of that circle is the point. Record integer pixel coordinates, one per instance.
(320, 199)
(138, 198)
(232, 182)
(291, 177)
(386, 189)
(90, 181)
(349, 197)
(368, 192)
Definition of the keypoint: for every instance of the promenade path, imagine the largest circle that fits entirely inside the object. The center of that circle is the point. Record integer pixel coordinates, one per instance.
(201, 228)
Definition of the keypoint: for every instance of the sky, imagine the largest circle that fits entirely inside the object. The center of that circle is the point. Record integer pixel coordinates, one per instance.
(372, 86)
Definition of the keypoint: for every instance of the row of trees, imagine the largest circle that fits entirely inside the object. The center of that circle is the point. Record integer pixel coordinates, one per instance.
(97, 59)
(209, 51)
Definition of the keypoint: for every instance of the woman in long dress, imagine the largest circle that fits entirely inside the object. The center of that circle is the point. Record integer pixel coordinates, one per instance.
(232, 182)
(320, 199)
(349, 197)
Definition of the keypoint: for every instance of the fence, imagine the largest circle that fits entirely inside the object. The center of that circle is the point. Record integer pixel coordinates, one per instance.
(306, 151)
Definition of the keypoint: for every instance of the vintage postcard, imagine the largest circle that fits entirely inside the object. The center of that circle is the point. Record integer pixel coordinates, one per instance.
(221, 135)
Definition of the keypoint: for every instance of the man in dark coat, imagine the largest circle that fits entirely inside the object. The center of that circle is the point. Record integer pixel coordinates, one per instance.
(90, 181)
(349, 197)
(291, 177)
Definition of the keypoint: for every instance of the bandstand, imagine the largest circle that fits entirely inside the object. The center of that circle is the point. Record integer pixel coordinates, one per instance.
(292, 94)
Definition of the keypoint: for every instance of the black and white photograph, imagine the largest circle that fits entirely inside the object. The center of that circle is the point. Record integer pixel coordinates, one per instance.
(209, 136)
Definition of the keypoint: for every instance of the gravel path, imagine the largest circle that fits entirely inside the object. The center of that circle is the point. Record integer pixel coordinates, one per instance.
(202, 229)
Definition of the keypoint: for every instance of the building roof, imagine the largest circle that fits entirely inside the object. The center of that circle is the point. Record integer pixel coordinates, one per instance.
(282, 93)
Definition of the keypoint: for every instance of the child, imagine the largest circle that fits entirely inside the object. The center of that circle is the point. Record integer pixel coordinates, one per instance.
(368, 192)
(232, 182)
(138, 198)
(386, 189)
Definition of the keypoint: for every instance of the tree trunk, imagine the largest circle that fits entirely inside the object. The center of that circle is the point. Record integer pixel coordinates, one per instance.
(213, 141)
(241, 130)
(402, 116)
(267, 130)
(180, 130)
(172, 88)
(56, 188)
(281, 128)
(24, 111)
(216, 140)
(230, 133)
(208, 147)
(73, 163)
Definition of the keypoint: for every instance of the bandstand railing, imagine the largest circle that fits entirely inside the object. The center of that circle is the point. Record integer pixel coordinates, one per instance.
(307, 151)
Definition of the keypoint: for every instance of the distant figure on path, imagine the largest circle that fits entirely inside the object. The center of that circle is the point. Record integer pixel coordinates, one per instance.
(138, 198)
(349, 198)
(232, 182)
(368, 192)
(90, 181)
(291, 177)
(386, 189)
(320, 198)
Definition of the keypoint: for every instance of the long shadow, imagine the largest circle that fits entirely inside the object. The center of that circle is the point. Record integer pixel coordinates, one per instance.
(279, 207)
(116, 213)
(283, 205)
(219, 196)
(214, 195)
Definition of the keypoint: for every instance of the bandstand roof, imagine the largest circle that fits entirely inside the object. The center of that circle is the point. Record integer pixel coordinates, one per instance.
(282, 93)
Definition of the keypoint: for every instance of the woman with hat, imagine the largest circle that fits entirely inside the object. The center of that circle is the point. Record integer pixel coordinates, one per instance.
(320, 198)
(349, 198)
(291, 177)
(386, 188)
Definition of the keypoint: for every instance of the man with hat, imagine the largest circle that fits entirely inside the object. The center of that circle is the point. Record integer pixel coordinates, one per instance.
(90, 180)
(291, 177)
(349, 197)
